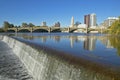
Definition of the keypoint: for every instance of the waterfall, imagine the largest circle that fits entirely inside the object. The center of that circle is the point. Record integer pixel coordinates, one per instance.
(44, 66)
(11, 67)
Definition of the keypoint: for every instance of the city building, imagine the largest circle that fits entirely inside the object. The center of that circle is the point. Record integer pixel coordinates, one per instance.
(57, 24)
(108, 22)
(72, 22)
(87, 20)
(43, 24)
(90, 20)
(93, 20)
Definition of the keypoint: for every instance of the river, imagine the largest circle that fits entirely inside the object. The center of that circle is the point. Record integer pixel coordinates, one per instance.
(98, 47)
(101, 49)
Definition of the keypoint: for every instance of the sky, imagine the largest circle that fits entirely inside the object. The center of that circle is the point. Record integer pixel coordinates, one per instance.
(36, 11)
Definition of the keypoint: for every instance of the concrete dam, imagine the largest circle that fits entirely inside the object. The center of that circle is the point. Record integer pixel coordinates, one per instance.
(43, 63)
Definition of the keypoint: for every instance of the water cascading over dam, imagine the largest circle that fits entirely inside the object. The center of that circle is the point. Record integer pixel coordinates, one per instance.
(11, 68)
(43, 65)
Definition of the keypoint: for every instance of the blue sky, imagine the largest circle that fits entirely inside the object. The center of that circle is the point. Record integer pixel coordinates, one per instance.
(51, 11)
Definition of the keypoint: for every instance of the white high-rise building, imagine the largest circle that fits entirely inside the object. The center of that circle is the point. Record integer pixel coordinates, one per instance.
(72, 22)
(93, 20)
(111, 20)
(108, 22)
(43, 24)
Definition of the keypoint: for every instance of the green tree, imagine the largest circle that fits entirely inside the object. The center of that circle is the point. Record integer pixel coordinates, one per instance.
(115, 27)
(1, 30)
(119, 18)
(31, 25)
(24, 24)
(11, 25)
(6, 25)
(115, 42)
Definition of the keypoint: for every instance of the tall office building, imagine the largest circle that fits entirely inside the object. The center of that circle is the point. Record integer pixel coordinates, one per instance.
(57, 24)
(90, 20)
(87, 20)
(44, 24)
(72, 22)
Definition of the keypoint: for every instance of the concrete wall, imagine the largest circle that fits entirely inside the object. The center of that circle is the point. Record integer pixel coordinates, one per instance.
(43, 66)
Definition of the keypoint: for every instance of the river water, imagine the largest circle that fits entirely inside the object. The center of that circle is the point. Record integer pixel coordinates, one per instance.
(98, 48)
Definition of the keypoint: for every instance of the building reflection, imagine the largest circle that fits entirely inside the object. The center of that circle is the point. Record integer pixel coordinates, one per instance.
(44, 39)
(89, 43)
(57, 38)
(71, 41)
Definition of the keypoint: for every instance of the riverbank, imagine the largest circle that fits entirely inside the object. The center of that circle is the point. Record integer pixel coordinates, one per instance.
(45, 63)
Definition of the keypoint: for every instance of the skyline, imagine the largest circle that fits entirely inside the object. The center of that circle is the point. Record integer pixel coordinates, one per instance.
(37, 11)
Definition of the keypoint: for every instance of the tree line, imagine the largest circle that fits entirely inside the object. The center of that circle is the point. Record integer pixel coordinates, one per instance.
(7, 25)
(115, 27)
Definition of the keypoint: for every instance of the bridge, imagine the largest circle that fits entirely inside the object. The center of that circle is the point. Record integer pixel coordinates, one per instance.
(52, 29)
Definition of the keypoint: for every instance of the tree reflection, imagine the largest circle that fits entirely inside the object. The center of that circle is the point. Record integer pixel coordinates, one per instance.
(115, 42)
(30, 37)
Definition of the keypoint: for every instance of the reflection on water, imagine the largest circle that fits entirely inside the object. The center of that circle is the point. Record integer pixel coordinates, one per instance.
(95, 47)
(115, 42)
(89, 41)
